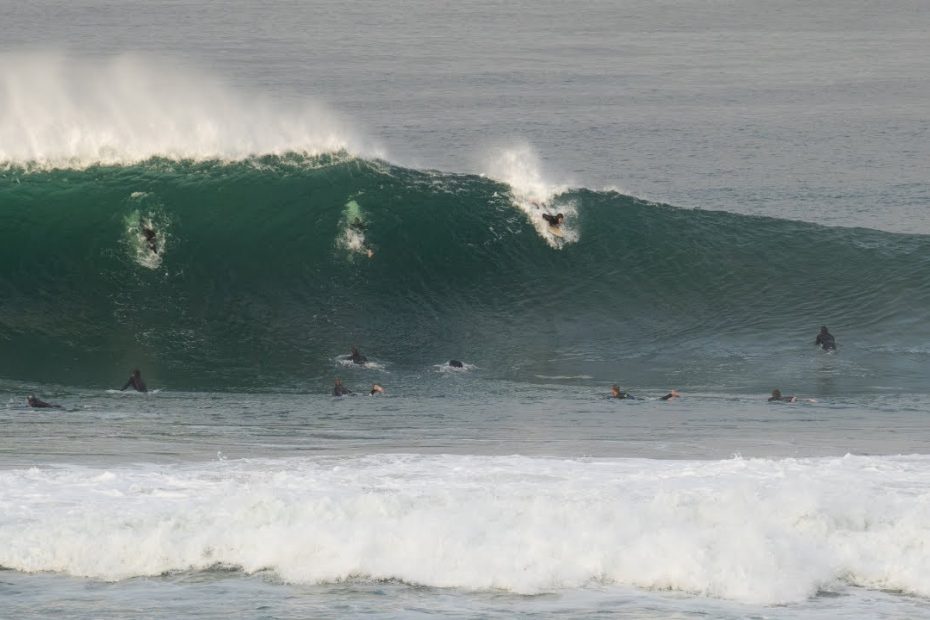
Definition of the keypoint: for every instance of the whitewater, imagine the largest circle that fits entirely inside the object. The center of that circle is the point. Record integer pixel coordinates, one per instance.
(315, 178)
(754, 531)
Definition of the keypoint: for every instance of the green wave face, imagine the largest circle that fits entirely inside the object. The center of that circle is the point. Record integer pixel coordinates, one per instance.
(261, 277)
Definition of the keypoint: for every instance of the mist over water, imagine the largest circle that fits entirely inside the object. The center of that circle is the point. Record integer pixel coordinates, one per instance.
(66, 113)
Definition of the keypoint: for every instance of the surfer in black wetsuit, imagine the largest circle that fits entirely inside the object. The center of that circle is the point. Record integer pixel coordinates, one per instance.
(356, 357)
(554, 220)
(135, 380)
(456, 364)
(360, 227)
(339, 389)
(40, 404)
(151, 237)
(777, 397)
(376, 389)
(615, 392)
(671, 395)
(825, 340)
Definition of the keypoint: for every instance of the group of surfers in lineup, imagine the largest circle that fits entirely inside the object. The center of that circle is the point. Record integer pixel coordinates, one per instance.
(825, 340)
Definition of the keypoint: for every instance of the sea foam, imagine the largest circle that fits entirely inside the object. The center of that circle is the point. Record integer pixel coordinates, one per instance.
(519, 167)
(759, 531)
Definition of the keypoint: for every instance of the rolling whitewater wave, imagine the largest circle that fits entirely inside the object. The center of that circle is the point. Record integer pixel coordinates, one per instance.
(754, 531)
(254, 277)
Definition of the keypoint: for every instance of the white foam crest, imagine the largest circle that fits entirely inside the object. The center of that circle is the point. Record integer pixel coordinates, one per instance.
(519, 168)
(64, 113)
(756, 531)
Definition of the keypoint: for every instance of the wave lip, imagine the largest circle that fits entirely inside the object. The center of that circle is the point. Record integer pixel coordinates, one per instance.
(520, 169)
(65, 113)
(755, 531)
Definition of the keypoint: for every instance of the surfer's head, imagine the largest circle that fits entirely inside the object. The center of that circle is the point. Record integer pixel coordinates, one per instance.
(776, 394)
(559, 217)
(615, 390)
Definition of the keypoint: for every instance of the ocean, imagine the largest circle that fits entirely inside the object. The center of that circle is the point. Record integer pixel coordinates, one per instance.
(230, 196)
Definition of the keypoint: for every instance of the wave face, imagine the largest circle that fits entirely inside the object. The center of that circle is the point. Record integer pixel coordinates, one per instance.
(261, 279)
(756, 531)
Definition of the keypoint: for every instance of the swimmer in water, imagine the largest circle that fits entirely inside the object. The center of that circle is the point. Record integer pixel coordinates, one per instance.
(339, 389)
(615, 392)
(554, 220)
(826, 340)
(376, 389)
(135, 380)
(356, 357)
(777, 397)
(671, 395)
(40, 404)
(358, 224)
(456, 364)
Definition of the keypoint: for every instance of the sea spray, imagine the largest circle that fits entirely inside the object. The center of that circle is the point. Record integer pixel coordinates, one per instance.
(60, 112)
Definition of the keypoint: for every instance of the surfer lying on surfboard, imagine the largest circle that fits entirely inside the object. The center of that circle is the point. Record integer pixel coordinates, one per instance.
(38, 403)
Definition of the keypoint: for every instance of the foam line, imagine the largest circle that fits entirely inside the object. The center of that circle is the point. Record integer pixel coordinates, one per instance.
(756, 531)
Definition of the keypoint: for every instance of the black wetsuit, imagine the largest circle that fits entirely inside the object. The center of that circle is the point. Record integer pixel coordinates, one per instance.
(137, 384)
(340, 390)
(357, 358)
(41, 404)
(668, 396)
(150, 239)
(623, 396)
(826, 341)
(456, 364)
(554, 220)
